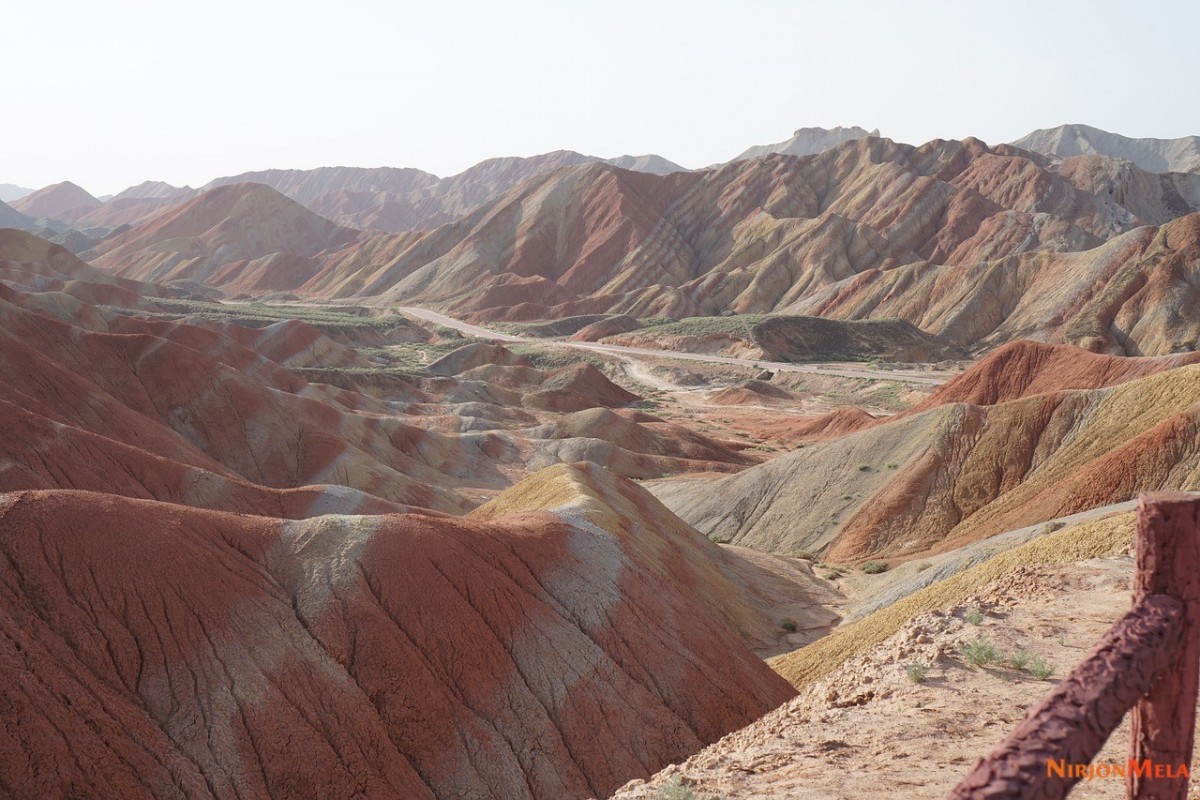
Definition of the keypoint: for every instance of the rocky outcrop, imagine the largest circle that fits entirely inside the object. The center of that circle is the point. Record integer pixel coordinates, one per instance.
(751, 392)
(655, 165)
(198, 398)
(32, 264)
(609, 325)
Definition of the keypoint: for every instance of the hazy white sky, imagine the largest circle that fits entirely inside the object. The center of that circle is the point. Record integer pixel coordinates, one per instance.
(111, 94)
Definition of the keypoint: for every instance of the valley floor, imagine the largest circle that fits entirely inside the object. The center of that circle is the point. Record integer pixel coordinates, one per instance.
(869, 730)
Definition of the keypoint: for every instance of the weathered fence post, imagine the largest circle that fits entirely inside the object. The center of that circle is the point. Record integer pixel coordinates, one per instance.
(1147, 663)
(1168, 563)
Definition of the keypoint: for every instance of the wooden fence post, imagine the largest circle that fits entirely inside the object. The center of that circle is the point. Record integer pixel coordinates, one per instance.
(1163, 722)
(1074, 721)
(1147, 663)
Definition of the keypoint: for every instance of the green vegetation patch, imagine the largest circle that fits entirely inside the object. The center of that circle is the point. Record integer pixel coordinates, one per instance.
(264, 314)
(736, 325)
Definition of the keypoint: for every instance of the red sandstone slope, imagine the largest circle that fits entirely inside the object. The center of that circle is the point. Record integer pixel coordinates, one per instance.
(210, 416)
(32, 264)
(957, 472)
(64, 202)
(396, 200)
(1025, 368)
(977, 245)
(125, 211)
(158, 651)
(241, 237)
(753, 235)
(201, 399)
(1015, 370)
(1132, 295)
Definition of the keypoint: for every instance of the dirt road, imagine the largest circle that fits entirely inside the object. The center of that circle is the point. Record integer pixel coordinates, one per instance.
(477, 331)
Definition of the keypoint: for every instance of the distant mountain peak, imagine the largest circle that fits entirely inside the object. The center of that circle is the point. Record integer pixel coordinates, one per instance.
(654, 164)
(1153, 155)
(808, 141)
(10, 192)
(64, 202)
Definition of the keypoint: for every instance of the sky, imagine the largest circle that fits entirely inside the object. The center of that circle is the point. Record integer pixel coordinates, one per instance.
(110, 94)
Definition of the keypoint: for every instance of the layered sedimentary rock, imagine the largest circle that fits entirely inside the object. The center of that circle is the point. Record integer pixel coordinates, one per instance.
(808, 141)
(757, 235)
(221, 580)
(32, 264)
(233, 409)
(160, 651)
(390, 199)
(869, 229)
(64, 202)
(975, 245)
(957, 468)
(1025, 368)
(1129, 296)
(240, 237)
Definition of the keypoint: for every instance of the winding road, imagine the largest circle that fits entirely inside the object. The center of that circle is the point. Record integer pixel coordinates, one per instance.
(479, 332)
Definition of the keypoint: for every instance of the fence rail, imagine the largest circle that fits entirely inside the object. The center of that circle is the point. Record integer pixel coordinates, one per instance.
(1149, 661)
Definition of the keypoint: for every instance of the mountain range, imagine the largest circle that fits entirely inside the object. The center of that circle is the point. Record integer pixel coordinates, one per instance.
(867, 229)
(271, 526)
(1152, 155)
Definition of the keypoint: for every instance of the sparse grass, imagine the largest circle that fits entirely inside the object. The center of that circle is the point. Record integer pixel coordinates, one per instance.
(924, 565)
(409, 355)
(736, 325)
(563, 326)
(789, 625)
(342, 316)
(892, 465)
(804, 555)
(874, 567)
(551, 357)
(1093, 539)
(1040, 669)
(973, 616)
(675, 789)
(834, 574)
(1019, 660)
(917, 672)
(864, 467)
(847, 497)
(980, 652)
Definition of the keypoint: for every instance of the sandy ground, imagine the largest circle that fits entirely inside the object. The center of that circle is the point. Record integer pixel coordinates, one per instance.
(869, 730)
